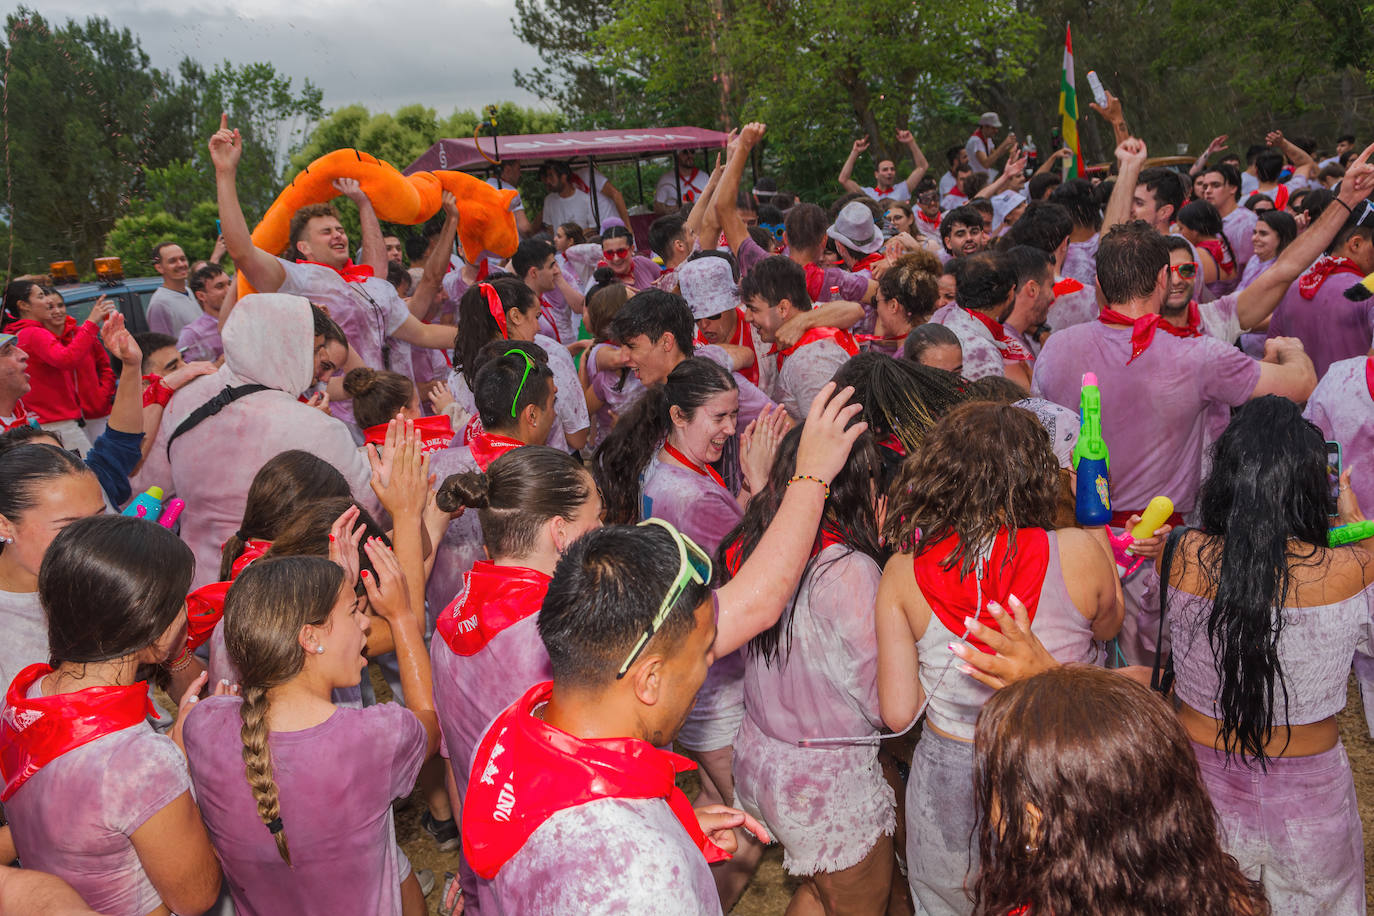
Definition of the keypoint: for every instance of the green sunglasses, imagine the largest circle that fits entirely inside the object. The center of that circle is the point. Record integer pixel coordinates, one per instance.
(693, 566)
(529, 364)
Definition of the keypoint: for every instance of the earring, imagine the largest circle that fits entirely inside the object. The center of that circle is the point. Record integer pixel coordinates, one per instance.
(319, 650)
(6, 540)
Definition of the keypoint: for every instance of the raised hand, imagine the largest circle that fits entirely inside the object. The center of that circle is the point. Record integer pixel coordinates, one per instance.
(449, 204)
(401, 479)
(100, 311)
(350, 188)
(828, 435)
(1112, 110)
(226, 146)
(1131, 151)
(905, 138)
(860, 144)
(344, 536)
(119, 341)
(386, 591)
(759, 446)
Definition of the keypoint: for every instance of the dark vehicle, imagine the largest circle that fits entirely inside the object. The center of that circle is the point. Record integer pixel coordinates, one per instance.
(130, 296)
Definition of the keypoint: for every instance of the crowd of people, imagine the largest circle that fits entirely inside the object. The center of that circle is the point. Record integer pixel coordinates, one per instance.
(781, 494)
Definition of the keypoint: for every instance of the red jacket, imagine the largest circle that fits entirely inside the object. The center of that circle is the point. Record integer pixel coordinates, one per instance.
(70, 374)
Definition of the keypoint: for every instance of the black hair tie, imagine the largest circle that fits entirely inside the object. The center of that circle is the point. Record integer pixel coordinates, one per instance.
(274, 825)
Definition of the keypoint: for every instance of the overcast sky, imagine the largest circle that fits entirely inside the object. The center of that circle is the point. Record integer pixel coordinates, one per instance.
(457, 54)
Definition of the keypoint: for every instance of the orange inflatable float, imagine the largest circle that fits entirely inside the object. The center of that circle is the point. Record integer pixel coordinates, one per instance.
(485, 222)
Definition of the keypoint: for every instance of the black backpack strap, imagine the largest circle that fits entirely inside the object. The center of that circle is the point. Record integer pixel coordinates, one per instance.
(1162, 676)
(227, 396)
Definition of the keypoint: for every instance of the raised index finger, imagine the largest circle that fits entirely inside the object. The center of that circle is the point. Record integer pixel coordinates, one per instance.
(224, 120)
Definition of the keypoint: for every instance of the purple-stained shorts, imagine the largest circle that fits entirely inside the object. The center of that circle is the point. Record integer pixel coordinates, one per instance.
(1295, 827)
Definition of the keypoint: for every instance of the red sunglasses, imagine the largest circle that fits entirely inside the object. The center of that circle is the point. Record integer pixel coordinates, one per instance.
(617, 255)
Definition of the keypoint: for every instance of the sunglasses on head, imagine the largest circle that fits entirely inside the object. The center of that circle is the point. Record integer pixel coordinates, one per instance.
(693, 566)
(529, 364)
(1186, 271)
(616, 254)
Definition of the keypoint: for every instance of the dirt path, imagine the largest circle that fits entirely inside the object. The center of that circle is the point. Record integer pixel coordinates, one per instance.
(770, 890)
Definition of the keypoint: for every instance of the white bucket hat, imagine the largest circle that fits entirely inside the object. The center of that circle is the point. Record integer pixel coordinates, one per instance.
(854, 228)
(708, 285)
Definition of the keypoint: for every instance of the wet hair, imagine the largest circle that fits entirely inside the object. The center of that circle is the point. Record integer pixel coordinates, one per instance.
(926, 336)
(299, 221)
(377, 394)
(1041, 743)
(479, 327)
(1028, 263)
(981, 467)
(1044, 225)
(1129, 260)
(203, 275)
(1267, 491)
(1229, 174)
(499, 379)
(604, 302)
(517, 494)
(264, 612)
(17, 291)
(1204, 219)
(1042, 184)
(307, 533)
(995, 389)
(1076, 195)
(110, 585)
(326, 327)
(1166, 185)
(12, 438)
(604, 596)
(653, 313)
(281, 489)
(1284, 226)
(642, 428)
(985, 282)
(805, 225)
(913, 282)
(399, 277)
(530, 254)
(664, 231)
(775, 278)
(618, 232)
(149, 342)
(849, 515)
(26, 470)
(966, 216)
(1268, 165)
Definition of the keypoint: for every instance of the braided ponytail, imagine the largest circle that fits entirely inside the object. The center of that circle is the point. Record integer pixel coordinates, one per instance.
(257, 762)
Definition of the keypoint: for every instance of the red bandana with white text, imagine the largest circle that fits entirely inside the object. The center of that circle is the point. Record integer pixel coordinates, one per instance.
(487, 447)
(494, 597)
(1327, 265)
(525, 771)
(36, 731)
(435, 433)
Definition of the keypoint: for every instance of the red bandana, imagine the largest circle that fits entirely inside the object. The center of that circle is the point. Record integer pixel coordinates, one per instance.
(487, 447)
(546, 312)
(525, 771)
(815, 281)
(1219, 253)
(1280, 197)
(744, 337)
(931, 221)
(205, 605)
(496, 307)
(954, 596)
(704, 471)
(35, 732)
(435, 433)
(351, 273)
(867, 262)
(21, 418)
(1143, 328)
(483, 271)
(576, 181)
(845, 339)
(1310, 282)
(1369, 374)
(1066, 286)
(494, 597)
(1012, 350)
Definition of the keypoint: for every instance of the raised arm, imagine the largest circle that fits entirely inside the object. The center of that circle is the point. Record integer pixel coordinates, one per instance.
(1217, 145)
(1114, 115)
(1011, 178)
(262, 268)
(1130, 158)
(753, 600)
(437, 261)
(1294, 153)
(727, 194)
(373, 252)
(1286, 370)
(1053, 159)
(126, 414)
(1258, 300)
(919, 164)
(846, 176)
(702, 220)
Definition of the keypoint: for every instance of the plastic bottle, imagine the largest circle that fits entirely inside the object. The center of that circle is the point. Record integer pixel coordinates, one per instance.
(1092, 498)
(1099, 94)
(148, 505)
(1032, 156)
(171, 512)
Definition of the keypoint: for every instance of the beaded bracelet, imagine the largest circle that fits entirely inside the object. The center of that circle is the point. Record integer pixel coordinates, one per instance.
(180, 663)
(813, 480)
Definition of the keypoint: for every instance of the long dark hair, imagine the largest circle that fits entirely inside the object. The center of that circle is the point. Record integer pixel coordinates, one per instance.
(849, 515)
(1124, 824)
(478, 324)
(982, 467)
(110, 585)
(1205, 219)
(282, 487)
(640, 431)
(1284, 226)
(26, 470)
(16, 291)
(1266, 493)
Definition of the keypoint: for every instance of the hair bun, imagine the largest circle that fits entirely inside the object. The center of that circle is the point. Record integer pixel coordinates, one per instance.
(359, 381)
(466, 490)
(603, 276)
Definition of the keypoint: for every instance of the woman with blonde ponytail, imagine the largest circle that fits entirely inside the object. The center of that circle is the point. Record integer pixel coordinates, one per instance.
(296, 791)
